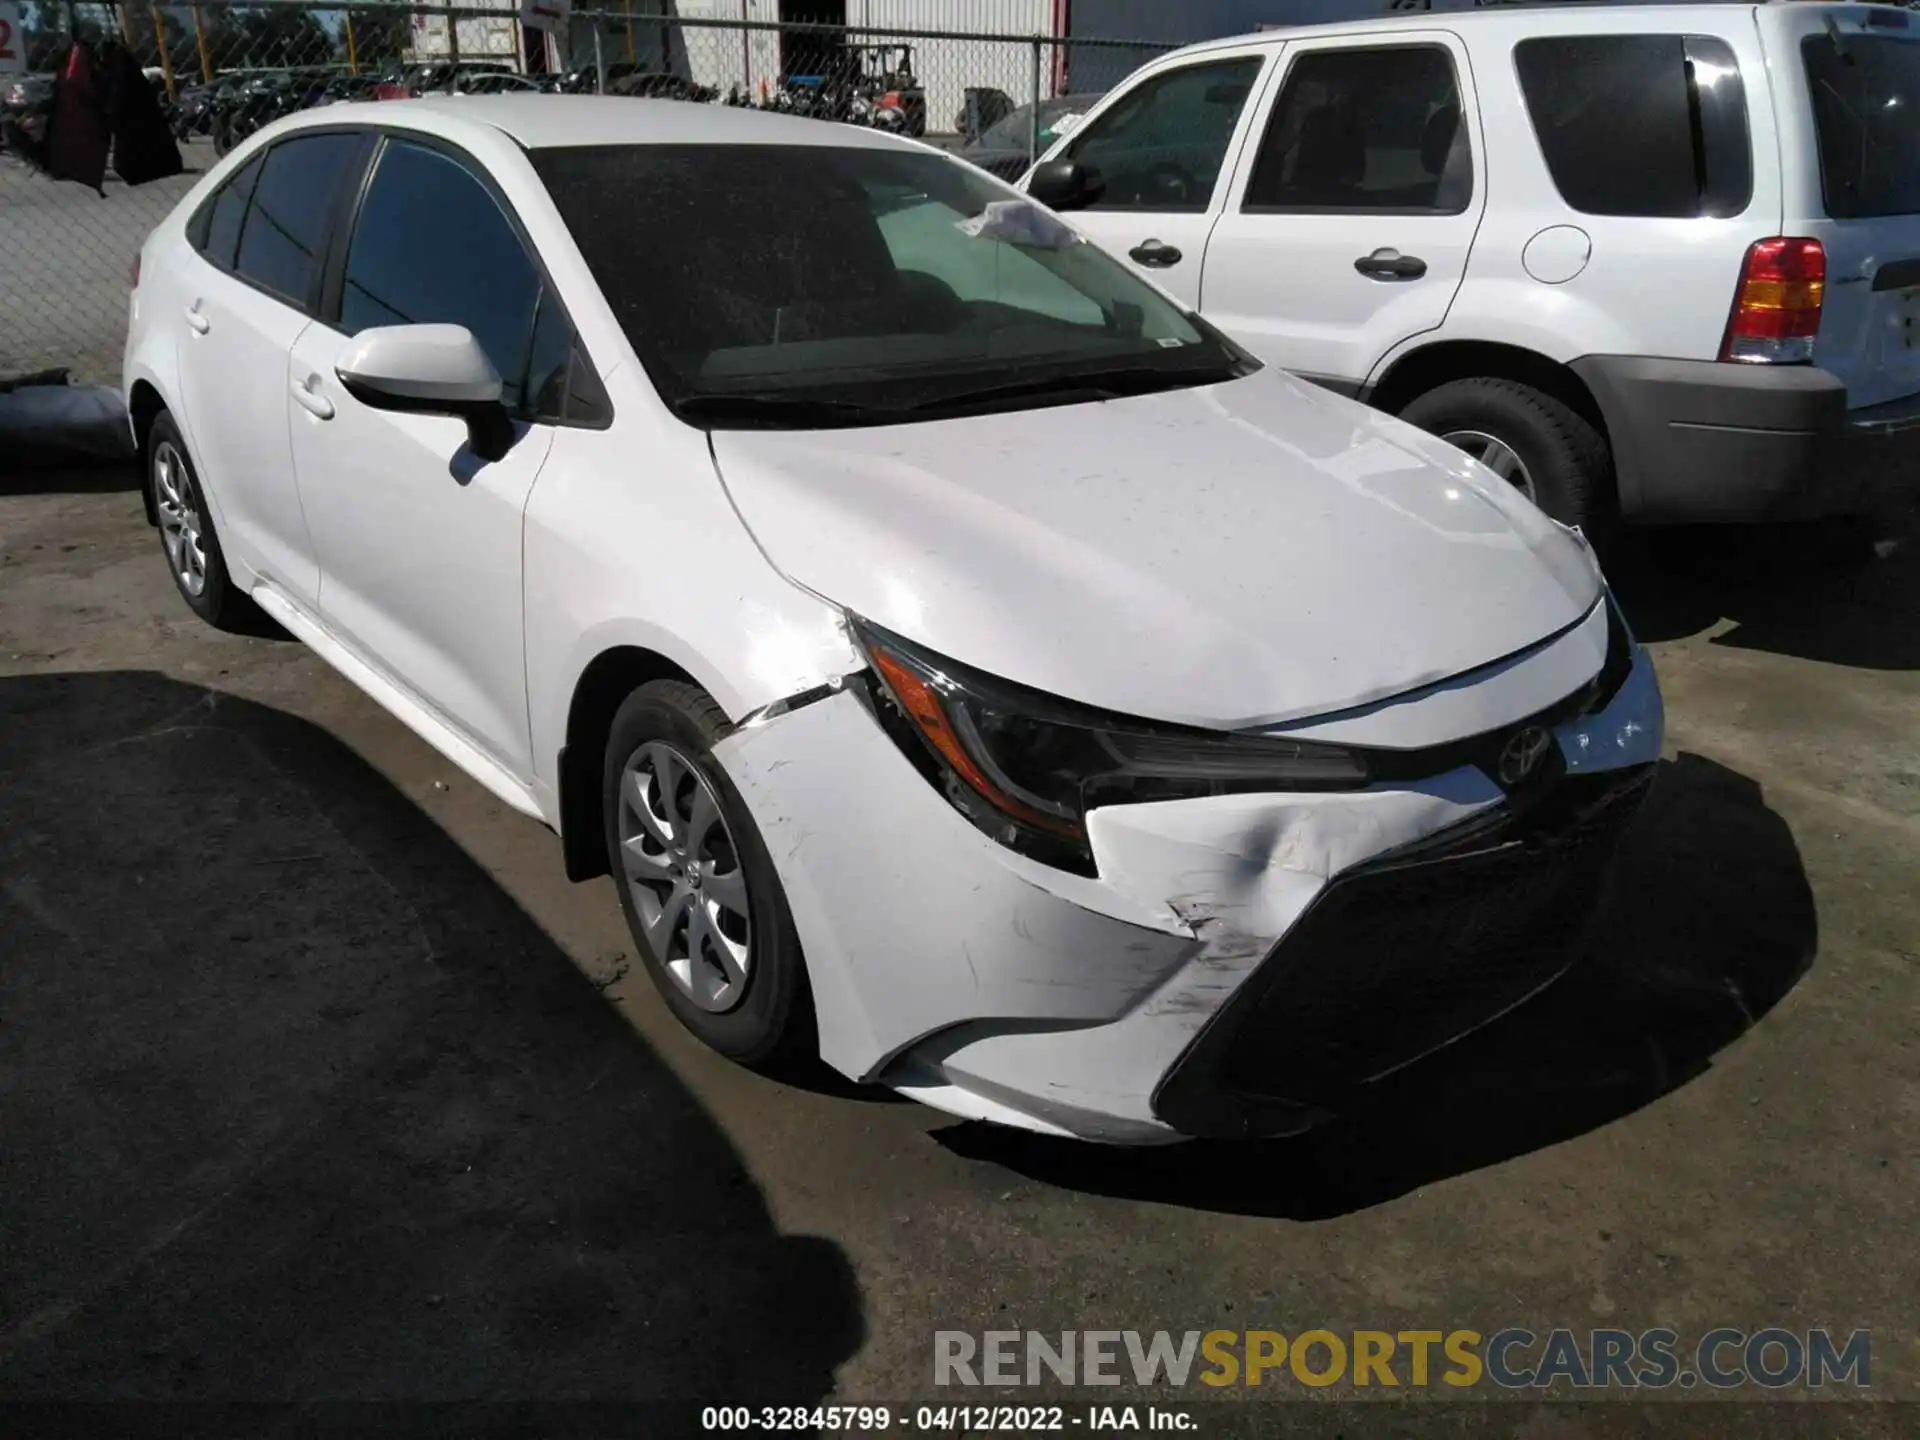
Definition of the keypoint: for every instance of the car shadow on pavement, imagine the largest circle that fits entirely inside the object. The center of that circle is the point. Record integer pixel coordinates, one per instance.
(1711, 921)
(1842, 592)
(297, 1104)
(69, 480)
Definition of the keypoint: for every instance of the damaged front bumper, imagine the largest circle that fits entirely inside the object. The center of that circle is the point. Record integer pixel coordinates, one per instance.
(1239, 962)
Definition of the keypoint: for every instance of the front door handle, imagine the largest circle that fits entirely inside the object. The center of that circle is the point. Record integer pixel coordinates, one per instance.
(197, 322)
(1390, 264)
(311, 401)
(1155, 254)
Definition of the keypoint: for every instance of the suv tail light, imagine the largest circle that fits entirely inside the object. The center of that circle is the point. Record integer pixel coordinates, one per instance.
(133, 272)
(386, 91)
(1776, 310)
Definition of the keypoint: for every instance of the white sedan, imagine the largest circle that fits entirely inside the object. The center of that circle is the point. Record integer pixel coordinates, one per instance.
(970, 664)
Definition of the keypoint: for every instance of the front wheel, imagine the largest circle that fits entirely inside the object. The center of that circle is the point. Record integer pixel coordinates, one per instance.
(701, 896)
(1535, 442)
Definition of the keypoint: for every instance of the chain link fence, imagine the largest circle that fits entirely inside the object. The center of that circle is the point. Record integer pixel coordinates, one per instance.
(222, 70)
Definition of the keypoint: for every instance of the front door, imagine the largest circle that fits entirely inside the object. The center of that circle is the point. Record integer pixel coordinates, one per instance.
(1165, 150)
(1349, 231)
(418, 538)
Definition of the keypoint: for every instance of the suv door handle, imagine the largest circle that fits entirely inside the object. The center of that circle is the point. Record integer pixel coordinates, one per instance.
(310, 401)
(197, 322)
(1389, 264)
(1155, 254)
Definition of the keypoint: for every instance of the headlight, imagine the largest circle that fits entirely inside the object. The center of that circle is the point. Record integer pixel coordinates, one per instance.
(1026, 768)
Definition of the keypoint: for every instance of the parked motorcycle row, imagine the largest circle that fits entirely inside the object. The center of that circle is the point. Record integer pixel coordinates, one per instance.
(873, 86)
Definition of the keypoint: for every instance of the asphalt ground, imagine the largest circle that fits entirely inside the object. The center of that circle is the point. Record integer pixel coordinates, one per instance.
(319, 1081)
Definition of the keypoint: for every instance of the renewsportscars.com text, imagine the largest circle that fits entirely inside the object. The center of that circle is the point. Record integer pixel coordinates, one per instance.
(1514, 1359)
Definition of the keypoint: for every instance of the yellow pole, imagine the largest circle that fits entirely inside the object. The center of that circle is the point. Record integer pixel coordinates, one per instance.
(166, 60)
(632, 59)
(200, 39)
(353, 57)
(126, 26)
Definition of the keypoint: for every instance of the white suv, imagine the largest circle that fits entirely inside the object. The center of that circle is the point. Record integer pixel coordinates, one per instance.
(1659, 261)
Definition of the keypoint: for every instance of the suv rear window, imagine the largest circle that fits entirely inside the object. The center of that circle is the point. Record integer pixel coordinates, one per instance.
(1644, 125)
(1866, 114)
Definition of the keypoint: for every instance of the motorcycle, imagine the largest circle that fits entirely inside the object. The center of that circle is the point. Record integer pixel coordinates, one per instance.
(248, 106)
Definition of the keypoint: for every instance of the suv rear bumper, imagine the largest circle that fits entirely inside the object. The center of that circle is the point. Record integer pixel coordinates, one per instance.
(1696, 440)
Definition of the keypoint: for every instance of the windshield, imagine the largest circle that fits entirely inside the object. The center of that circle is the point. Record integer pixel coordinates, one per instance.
(858, 279)
(1015, 131)
(1866, 112)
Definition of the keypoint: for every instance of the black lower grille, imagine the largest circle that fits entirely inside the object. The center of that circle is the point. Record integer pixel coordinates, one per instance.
(1406, 953)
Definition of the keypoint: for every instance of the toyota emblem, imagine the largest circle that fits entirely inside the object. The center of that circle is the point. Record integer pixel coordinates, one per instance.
(1522, 754)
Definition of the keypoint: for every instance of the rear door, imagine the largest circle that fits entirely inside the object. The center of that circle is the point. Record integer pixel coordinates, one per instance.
(1847, 93)
(1166, 148)
(1349, 230)
(243, 306)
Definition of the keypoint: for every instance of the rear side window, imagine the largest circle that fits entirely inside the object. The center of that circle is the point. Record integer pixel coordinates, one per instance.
(1162, 147)
(287, 226)
(1367, 129)
(1866, 115)
(217, 228)
(1645, 125)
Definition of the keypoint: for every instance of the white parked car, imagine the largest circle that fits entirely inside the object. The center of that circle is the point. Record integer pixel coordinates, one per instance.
(968, 663)
(1654, 261)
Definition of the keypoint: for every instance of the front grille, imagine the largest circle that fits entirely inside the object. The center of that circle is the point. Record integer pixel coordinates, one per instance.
(1406, 953)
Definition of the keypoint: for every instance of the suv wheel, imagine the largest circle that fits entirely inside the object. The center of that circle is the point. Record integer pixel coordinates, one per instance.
(707, 912)
(1542, 447)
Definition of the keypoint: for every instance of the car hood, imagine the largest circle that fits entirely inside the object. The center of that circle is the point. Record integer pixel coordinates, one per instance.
(1234, 555)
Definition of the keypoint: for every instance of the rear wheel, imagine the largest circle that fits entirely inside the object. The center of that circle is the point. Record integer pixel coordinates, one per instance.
(192, 546)
(1535, 442)
(705, 906)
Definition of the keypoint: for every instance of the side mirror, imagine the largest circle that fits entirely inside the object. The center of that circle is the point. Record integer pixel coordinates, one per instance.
(1066, 185)
(430, 370)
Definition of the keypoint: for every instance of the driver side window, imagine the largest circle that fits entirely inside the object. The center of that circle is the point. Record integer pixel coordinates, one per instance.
(1162, 147)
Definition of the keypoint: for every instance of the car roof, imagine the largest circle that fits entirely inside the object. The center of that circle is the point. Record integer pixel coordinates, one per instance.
(1556, 17)
(542, 122)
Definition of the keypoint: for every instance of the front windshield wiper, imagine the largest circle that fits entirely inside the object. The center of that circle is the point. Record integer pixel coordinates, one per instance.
(782, 411)
(1107, 384)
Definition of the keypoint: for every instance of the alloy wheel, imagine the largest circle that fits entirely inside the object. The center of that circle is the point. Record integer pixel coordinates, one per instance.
(181, 528)
(683, 873)
(1496, 455)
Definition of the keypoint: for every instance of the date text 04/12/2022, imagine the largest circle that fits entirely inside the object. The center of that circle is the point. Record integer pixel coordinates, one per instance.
(944, 1419)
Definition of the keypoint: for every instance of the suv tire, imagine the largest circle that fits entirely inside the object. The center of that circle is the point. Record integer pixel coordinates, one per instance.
(1565, 463)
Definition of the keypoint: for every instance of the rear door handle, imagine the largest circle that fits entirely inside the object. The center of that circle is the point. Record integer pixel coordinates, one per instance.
(197, 322)
(1390, 264)
(1155, 254)
(311, 401)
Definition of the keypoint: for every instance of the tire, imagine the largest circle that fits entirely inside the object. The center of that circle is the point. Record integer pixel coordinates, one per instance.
(1564, 456)
(187, 536)
(763, 1016)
